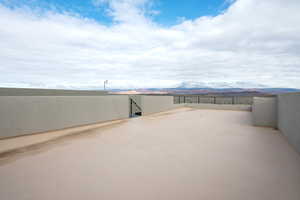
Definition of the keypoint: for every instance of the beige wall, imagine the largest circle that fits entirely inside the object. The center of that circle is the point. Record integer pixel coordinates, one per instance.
(220, 107)
(289, 117)
(49, 92)
(153, 104)
(21, 115)
(264, 111)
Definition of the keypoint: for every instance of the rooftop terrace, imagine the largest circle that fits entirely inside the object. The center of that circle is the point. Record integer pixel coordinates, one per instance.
(184, 153)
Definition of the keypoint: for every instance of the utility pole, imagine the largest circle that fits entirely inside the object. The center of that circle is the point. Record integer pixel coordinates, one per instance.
(104, 84)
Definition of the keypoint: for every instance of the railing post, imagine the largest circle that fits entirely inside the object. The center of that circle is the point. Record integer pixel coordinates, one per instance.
(130, 113)
(215, 102)
(198, 99)
(183, 99)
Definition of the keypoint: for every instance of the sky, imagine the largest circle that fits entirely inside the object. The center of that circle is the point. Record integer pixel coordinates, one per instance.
(78, 44)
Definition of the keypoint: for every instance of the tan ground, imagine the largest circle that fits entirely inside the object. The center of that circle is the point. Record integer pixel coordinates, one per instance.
(19, 144)
(185, 154)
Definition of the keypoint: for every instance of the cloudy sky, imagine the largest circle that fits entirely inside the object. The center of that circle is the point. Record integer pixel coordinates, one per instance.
(149, 43)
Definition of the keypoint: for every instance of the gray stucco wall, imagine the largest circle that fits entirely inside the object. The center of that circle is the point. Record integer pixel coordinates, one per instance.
(153, 104)
(264, 111)
(49, 92)
(289, 117)
(20, 115)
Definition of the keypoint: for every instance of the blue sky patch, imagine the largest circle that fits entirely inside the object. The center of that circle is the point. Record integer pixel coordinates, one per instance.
(167, 12)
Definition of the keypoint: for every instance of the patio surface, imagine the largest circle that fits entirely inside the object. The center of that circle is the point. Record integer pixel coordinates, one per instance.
(184, 154)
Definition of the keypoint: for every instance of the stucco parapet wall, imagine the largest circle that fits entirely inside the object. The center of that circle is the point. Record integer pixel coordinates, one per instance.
(264, 111)
(220, 107)
(289, 117)
(152, 104)
(22, 115)
(49, 92)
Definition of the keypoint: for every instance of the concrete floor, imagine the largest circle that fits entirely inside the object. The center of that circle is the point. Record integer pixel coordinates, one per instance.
(183, 154)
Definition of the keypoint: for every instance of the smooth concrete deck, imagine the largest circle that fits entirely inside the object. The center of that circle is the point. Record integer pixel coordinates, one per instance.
(19, 144)
(183, 154)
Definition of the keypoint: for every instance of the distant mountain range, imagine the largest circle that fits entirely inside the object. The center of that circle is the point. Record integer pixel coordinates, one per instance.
(203, 91)
(237, 84)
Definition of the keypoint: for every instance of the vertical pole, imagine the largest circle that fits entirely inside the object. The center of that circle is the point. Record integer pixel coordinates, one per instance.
(104, 84)
(198, 99)
(130, 107)
(232, 100)
(183, 99)
(215, 100)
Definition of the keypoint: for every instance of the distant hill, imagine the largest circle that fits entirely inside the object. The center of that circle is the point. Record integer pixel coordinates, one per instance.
(208, 91)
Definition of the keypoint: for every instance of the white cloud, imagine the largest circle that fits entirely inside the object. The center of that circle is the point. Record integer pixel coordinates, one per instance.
(252, 44)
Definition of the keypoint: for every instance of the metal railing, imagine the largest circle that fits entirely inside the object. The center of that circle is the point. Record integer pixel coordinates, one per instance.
(135, 109)
(245, 100)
